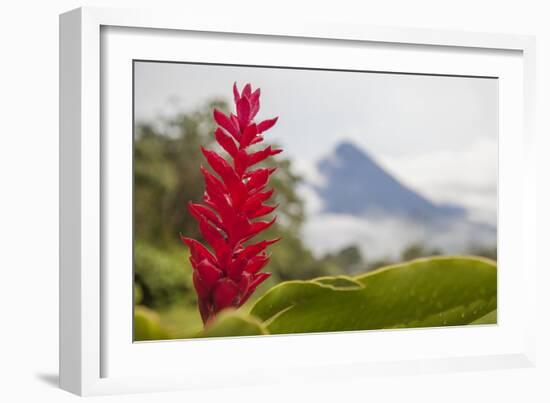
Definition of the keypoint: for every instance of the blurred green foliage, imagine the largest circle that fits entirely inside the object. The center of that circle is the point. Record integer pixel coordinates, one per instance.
(233, 323)
(147, 325)
(162, 275)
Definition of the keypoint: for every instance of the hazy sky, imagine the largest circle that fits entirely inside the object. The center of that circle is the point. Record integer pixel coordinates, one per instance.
(439, 135)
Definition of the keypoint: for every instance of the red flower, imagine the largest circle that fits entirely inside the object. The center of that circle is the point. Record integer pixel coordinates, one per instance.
(228, 273)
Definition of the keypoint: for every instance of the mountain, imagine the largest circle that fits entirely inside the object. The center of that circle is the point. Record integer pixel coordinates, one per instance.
(354, 183)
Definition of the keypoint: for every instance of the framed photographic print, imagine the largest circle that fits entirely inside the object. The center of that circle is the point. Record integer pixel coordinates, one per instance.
(290, 197)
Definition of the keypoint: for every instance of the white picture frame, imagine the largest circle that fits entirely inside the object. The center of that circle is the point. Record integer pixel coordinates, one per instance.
(96, 355)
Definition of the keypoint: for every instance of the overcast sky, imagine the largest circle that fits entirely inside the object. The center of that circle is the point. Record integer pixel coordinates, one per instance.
(439, 135)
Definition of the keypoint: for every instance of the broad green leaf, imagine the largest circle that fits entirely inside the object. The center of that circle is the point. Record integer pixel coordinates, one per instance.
(147, 325)
(489, 319)
(339, 282)
(438, 291)
(233, 323)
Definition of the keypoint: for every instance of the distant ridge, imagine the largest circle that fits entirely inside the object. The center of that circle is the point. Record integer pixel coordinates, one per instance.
(354, 183)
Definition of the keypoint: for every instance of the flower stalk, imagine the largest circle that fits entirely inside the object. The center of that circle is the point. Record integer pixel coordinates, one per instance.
(226, 274)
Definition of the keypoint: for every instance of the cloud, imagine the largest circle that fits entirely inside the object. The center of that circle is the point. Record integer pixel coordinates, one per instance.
(308, 170)
(387, 237)
(387, 114)
(467, 176)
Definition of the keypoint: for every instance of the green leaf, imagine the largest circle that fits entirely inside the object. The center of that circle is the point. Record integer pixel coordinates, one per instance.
(437, 291)
(147, 325)
(489, 319)
(233, 323)
(339, 282)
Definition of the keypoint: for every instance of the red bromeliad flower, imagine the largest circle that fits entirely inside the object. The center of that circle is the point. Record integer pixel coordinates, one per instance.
(228, 274)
